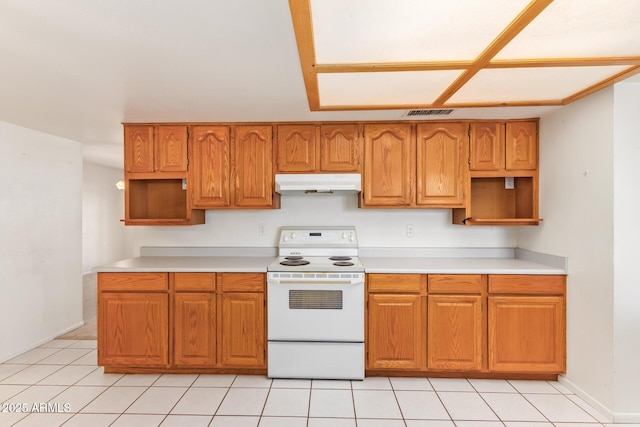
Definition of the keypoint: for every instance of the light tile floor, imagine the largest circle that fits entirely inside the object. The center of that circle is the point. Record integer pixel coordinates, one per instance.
(60, 383)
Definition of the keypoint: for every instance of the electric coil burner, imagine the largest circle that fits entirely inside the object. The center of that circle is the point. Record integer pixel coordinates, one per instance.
(316, 305)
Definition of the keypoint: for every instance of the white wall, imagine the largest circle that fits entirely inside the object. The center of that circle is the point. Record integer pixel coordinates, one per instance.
(576, 203)
(104, 236)
(40, 238)
(375, 227)
(626, 206)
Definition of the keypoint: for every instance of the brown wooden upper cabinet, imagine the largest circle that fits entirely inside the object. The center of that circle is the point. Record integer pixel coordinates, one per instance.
(309, 148)
(503, 164)
(231, 167)
(441, 154)
(521, 145)
(155, 148)
(504, 146)
(155, 159)
(252, 166)
(209, 173)
(420, 165)
(389, 165)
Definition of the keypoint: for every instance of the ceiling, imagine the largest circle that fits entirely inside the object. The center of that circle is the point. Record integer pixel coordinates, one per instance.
(364, 54)
(79, 68)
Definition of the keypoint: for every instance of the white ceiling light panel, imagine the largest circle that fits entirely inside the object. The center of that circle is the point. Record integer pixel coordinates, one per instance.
(362, 31)
(580, 28)
(530, 84)
(398, 88)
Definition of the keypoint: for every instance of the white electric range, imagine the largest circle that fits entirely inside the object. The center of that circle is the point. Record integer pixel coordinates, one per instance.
(315, 294)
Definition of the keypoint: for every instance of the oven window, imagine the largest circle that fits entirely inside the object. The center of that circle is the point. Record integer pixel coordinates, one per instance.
(315, 300)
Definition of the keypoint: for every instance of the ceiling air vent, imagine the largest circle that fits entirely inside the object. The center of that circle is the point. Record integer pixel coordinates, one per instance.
(426, 113)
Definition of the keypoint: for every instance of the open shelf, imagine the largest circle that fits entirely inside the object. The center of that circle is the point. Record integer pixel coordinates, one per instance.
(491, 203)
(159, 202)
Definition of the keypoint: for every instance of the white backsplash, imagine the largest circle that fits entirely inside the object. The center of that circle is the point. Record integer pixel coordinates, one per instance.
(375, 227)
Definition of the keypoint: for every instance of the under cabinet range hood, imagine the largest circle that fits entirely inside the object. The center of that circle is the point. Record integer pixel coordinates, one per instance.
(318, 183)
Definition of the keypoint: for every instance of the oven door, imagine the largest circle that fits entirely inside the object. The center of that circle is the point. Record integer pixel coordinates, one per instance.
(317, 307)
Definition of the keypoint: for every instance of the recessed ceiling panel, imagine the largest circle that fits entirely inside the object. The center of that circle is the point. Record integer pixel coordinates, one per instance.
(580, 28)
(400, 88)
(530, 84)
(357, 31)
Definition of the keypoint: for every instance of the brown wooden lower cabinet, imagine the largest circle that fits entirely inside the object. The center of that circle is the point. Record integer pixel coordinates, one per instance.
(454, 332)
(507, 326)
(180, 322)
(395, 336)
(526, 334)
(527, 323)
(242, 330)
(195, 329)
(133, 329)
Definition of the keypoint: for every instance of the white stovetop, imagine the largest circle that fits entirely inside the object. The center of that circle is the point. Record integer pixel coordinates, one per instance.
(317, 264)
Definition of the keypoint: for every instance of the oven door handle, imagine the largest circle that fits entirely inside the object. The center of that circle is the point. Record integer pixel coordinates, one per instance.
(316, 281)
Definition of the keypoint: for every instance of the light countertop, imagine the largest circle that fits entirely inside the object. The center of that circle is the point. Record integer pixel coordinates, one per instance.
(204, 264)
(434, 265)
(523, 262)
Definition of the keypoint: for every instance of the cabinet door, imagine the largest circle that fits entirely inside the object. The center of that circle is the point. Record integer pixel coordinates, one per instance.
(170, 152)
(242, 332)
(133, 329)
(296, 148)
(195, 329)
(521, 147)
(441, 164)
(389, 165)
(340, 148)
(454, 332)
(526, 334)
(394, 335)
(210, 166)
(138, 148)
(486, 147)
(252, 173)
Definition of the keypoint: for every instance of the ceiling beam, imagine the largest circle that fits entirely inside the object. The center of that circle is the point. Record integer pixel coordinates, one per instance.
(392, 67)
(536, 103)
(564, 62)
(303, 28)
(461, 65)
(525, 17)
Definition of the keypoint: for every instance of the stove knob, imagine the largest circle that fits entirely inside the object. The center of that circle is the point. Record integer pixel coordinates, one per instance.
(285, 238)
(293, 235)
(344, 235)
(351, 237)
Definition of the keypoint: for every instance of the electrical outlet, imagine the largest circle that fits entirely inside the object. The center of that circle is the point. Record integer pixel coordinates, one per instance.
(509, 183)
(260, 229)
(410, 230)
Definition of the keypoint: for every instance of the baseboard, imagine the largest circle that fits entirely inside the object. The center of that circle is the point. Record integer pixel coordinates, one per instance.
(617, 417)
(68, 330)
(42, 341)
(627, 417)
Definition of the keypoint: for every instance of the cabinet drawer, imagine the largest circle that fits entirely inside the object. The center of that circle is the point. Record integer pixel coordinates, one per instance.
(195, 281)
(530, 284)
(394, 283)
(241, 282)
(456, 283)
(133, 281)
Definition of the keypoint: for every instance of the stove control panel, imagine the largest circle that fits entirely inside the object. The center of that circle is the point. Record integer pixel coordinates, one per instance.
(321, 237)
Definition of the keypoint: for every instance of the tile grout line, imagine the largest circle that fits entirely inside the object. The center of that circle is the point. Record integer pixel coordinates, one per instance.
(554, 394)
